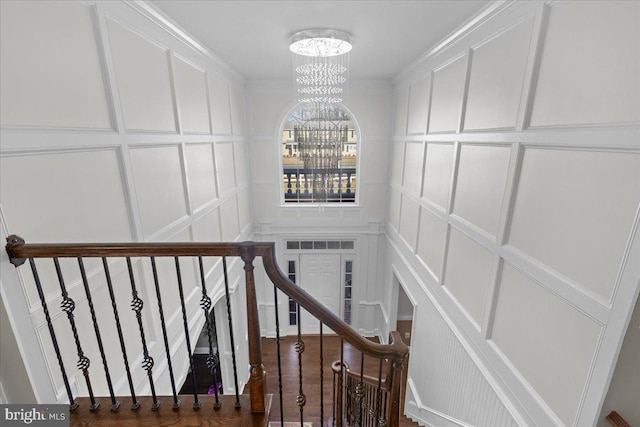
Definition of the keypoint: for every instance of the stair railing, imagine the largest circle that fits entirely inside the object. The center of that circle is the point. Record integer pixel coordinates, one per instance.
(393, 355)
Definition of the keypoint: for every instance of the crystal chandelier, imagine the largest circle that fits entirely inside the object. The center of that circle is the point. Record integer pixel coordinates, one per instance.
(321, 67)
(321, 64)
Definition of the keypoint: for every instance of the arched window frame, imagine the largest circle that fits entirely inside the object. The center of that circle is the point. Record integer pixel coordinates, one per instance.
(281, 189)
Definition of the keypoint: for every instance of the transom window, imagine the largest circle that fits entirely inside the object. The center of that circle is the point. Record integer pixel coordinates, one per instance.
(319, 155)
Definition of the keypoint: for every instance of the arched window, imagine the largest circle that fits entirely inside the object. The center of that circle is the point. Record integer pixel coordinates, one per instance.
(319, 155)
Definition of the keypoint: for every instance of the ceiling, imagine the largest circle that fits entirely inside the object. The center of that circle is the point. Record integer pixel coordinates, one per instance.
(253, 36)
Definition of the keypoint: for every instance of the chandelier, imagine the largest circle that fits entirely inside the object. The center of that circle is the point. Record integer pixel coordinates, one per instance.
(321, 64)
(321, 68)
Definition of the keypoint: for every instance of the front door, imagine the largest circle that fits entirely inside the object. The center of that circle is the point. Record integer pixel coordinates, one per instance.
(320, 276)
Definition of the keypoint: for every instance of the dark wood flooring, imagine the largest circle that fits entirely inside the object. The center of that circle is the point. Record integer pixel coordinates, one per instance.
(311, 376)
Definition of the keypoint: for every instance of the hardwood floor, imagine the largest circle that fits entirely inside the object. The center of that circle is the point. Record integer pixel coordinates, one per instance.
(290, 379)
(311, 376)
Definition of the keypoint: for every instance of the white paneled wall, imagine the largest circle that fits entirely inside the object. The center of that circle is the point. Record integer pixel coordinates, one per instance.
(114, 129)
(527, 201)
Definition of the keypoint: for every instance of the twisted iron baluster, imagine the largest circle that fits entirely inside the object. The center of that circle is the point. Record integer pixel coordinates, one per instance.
(73, 405)
(214, 362)
(68, 305)
(134, 400)
(115, 405)
(275, 300)
(233, 346)
(176, 402)
(301, 399)
(205, 304)
(147, 362)
(196, 401)
(379, 420)
(360, 391)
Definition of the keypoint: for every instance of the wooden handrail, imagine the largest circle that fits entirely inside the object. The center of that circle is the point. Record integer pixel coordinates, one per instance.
(396, 351)
(616, 420)
(18, 251)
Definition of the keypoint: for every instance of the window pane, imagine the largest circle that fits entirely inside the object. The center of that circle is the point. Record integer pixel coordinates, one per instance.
(293, 319)
(347, 266)
(293, 245)
(347, 292)
(347, 244)
(319, 245)
(292, 266)
(333, 245)
(306, 245)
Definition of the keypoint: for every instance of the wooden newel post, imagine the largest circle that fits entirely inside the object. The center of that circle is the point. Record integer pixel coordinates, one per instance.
(397, 368)
(257, 375)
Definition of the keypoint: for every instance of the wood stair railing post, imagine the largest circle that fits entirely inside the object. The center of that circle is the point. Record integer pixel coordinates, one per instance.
(257, 375)
(397, 369)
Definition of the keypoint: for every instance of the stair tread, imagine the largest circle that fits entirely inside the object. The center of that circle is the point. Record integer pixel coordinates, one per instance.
(226, 416)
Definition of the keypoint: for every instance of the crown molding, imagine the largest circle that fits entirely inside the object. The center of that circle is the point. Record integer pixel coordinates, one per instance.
(489, 12)
(163, 21)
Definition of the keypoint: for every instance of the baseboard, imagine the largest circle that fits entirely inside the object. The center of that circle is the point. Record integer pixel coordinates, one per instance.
(425, 416)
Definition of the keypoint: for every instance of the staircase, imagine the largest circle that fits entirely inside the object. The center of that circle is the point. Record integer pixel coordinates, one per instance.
(342, 396)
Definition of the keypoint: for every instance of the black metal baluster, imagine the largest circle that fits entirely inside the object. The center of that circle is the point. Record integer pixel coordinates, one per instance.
(147, 361)
(275, 299)
(341, 403)
(212, 360)
(321, 378)
(233, 346)
(360, 391)
(73, 405)
(176, 402)
(379, 421)
(134, 400)
(215, 362)
(115, 405)
(196, 401)
(301, 399)
(68, 305)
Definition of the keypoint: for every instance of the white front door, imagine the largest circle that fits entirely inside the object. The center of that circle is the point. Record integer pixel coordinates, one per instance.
(320, 276)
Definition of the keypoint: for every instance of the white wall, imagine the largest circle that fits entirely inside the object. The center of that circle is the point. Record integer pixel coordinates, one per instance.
(369, 102)
(114, 128)
(513, 211)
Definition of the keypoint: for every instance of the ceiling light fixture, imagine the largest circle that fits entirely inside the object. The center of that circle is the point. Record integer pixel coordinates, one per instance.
(321, 64)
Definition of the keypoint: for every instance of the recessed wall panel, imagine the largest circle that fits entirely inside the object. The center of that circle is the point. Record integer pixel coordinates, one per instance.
(413, 158)
(207, 229)
(225, 166)
(62, 198)
(220, 111)
(418, 107)
(548, 341)
(237, 111)
(574, 211)
(437, 174)
(409, 217)
(431, 239)
(394, 207)
(467, 273)
(496, 80)
(244, 209)
(191, 91)
(50, 72)
(446, 98)
(589, 65)
(157, 173)
(397, 162)
(201, 173)
(229, 220)
(482, 177)
(241, 165)
(400, 118)
(142, 76)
